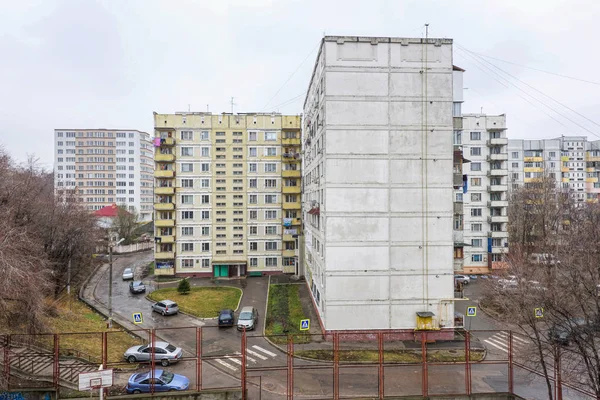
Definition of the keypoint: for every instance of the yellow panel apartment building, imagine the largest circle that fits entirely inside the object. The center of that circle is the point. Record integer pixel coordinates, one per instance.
(227, 194)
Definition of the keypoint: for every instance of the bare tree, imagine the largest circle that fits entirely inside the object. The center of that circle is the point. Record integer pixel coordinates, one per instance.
(125, 224)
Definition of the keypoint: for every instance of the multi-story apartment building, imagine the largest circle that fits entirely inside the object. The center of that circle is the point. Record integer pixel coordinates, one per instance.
(378, 182)
(106, 166)
(485, 200)
(460, 177)
(227, 194)
(573, 161)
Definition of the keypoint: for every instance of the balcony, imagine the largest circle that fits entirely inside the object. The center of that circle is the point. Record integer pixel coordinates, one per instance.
(291, 173)
(164, 206)
(289, 253)
(533, 159)
(499, 250)
(499, 234)
(497, 218)
(164, 157)
(290, 141)
(497, 172)
(457, 123)
(497, 142)
(564, 169)
(497, 188)
(295, 205)
(458, 236)
(458, 180)
(291, 189)
(498, 157)
(565, 158)
(164, 190)
(291, 156)
(165, 239)
(533, 169)
(164, 223)
(458, 208)
(294, 221)
(497, 203)
(588, 157)
(167, 141)
(164, 255)
(164, 271)
(164, 174)
(591, 180)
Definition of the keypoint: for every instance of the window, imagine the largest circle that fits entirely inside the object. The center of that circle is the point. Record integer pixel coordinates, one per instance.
(475, 196)
(476, 257)
(475, 181)
(187, 263)
(205, 167)
(270, 230)
(205, 263)
(476, 242)
(187, 183)
(476, 227)
(187, 246)
(252, 214)
(270, 246)
(475, 135)
(270, 198)
(205, 152)
(205, 214)
(187, 135)
(270, 136)
(187, 151)
(271, 183)
(515, 176)
(253, 230)
(187, 199)
(515, 165)
(252, 152)
(252, 136)
(254, 262)
(252, 167)
(271, 261)
(187, 167)
(475, 151)
(205, 246)
(205, 230)
(252, 183)
(187, 231)
(552, 154)
(205, 199)
(270, 167)
(515, 154)
(475, 212)
(271, 151)
(459, 197)
(187, 215)
(253, 246)
(271, 214)
(475, 166)
(252, 199)
(205, 183)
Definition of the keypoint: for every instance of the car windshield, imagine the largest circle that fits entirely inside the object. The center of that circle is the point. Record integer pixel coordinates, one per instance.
(167, 377)
(137, 283)
(225, 316)
(127, 271)
(170, 348)
(246, 315)
(141, 348)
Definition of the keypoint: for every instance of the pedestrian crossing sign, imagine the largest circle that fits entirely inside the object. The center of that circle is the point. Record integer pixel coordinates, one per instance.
(471, 311)
(304, 324)
(539, 312)
(137, 318)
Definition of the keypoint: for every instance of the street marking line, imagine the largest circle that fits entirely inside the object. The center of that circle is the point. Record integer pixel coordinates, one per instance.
(515, 337)
(525, 341)
(264, 351)
(235, 360)
(255, 354)
(237, 353)
(498, 347)
(498, 342)
(223, 363)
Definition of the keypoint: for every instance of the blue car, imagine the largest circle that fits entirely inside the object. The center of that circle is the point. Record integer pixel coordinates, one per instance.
(164, 381)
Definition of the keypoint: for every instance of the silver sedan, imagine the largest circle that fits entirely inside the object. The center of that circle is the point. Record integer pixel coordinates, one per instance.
(164, 353)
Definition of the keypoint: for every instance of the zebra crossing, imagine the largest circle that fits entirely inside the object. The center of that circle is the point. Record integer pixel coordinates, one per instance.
(253, 355)
(500, 341)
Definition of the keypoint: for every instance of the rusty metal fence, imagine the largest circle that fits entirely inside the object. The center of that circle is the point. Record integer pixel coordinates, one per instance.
(376, 364)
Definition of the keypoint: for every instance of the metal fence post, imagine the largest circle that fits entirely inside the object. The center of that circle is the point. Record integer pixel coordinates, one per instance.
(56, 369)
(104, 349)
(7, 362)
(198, 359)
(152, 360)
(290, 366)
(243, 349)
(511, 388)
(558, 381)
(468, 362)
(336, 366)
(381, 371)
(424, 388)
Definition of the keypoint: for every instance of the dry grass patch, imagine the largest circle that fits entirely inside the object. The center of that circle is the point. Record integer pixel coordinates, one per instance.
(202, 302)
(391, 356)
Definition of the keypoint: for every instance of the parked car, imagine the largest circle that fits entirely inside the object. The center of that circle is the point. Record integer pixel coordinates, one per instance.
(127, 274)
(226, 318)
(563, 334)
(137, 287)
(248, 318)
(473, 277)
(164, 353)
(164, 381)
(510, 282)
(535, 285)
(165, 307)
(462, 279)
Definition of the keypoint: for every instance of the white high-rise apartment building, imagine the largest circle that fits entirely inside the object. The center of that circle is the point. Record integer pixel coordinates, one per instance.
(485, 203)
(378, 182)
(106, 166)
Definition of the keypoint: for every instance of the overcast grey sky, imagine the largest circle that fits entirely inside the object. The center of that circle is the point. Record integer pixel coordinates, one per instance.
(109, 64)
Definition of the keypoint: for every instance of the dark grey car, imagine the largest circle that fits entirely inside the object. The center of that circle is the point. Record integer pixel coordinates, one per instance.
(165, 307)
(137, 287)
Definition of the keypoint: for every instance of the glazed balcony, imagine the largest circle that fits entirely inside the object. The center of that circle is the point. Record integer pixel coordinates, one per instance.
(164, 206)
(164, 255)
(295, 205)
(164, 223)
(291, 173)
(164, 157)
(164, 190)
(164, 174)
(165, 239)
(291, 189)
(497, 142)
(290, 141)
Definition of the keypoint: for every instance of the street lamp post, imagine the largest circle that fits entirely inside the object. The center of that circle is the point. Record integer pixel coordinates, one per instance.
(110, 280)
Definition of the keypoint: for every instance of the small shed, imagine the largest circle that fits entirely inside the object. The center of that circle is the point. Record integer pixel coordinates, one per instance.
(425, 321)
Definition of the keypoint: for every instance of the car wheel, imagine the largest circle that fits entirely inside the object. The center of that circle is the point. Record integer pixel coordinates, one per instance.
(172, 390)
(164, 362)
(131, 359)
(163, 312)
(137, 391)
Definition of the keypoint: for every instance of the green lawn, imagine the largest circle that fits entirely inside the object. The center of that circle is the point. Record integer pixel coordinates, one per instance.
(284, 313)
(203, 302)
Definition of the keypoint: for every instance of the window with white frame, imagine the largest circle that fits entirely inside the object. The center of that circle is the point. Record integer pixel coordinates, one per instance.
(187, 263)
(187, 246)
(270, 198)
(252, 214)
(253, 230)
(270, 246)
(270, 183)
(476, 257)
(252, 136)
(475, 151)
(253, 246)
(475, 212)
(476, 242)
(205, 183)
(205, 246)
(205, 167)
(187, 215)
(270, 167)
(475, 135)
(252, 183)
(187, 183)
(270, 151)
(187, 199)
(270, 136)
(205, 135)
(205, 214)
(270, 230)
(252, 167)
(271, 262)
(476, 227)
(187, 151)
(475, 196)
(271, 214)
(187, 167)
(252, 199)
(254, 262)
(205, 263)
(187, 135)
(205, 230)
(187, 231)
(205, 151)
(205, 199)
(475, 166)
(251, 151)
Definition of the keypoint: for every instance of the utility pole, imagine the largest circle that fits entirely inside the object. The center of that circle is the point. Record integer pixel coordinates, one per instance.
(110, 280)
(69, 269)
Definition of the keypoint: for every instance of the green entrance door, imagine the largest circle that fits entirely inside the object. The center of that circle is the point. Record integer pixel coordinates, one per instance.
(221, 271)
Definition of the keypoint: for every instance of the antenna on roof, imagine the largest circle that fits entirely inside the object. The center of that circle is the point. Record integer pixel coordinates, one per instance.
(232, 104)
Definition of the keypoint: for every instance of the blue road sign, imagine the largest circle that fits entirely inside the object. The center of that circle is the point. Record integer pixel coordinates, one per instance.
(539, 312)
(304, 324)
(137, 318)
(471, 311)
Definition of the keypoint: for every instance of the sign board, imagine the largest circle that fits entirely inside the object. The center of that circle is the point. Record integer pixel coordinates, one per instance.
(539, 312)
(137, 318)
(304, 324)
(471, 311)
(95, 379)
